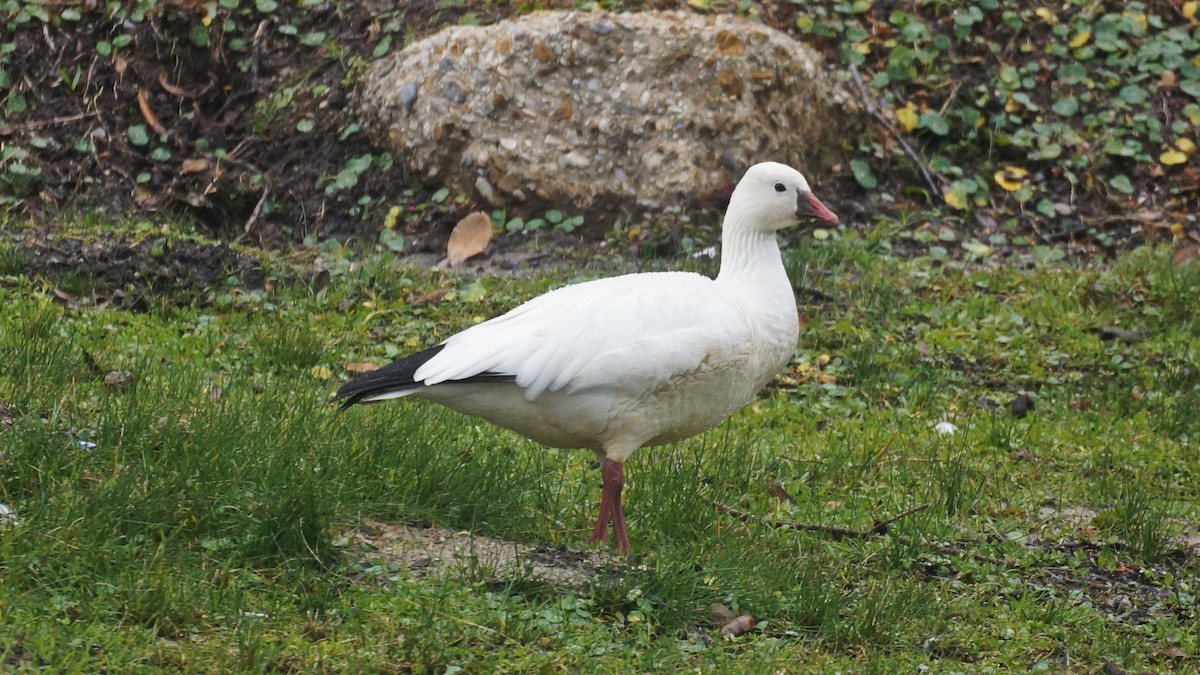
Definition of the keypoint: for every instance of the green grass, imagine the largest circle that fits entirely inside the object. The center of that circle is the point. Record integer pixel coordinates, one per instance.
(204, 530)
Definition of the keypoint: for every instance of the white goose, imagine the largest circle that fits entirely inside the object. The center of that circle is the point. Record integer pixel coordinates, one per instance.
(642, 359)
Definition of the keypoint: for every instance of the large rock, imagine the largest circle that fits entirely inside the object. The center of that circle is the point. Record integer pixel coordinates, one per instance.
(592, 112)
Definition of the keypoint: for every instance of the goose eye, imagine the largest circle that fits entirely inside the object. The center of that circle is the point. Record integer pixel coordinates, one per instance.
(780, 187)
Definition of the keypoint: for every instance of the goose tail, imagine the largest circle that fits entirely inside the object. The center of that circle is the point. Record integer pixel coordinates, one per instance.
(391, 381)
(396, 380)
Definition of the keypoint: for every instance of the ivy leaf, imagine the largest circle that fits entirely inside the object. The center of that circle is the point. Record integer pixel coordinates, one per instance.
(935, 123)
(1066, 106)
(1133, 94)
(1122, 183)
(863, 174)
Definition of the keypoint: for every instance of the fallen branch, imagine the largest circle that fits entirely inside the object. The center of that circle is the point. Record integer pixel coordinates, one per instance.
(873, 108)
(878, 530)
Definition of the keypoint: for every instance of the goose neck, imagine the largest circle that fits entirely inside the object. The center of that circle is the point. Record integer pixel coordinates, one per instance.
(748, 254)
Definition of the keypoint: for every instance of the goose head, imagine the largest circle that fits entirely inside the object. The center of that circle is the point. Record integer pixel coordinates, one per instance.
(773, 196)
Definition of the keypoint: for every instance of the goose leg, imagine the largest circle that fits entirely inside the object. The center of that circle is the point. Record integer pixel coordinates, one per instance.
(611, 510)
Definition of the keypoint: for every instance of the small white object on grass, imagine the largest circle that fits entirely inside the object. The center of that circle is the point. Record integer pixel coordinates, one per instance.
(945, 428)
(7, 517)
(616, 364)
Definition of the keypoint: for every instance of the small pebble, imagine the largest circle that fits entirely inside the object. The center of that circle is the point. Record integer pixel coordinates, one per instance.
(408, 96)
(454, 93)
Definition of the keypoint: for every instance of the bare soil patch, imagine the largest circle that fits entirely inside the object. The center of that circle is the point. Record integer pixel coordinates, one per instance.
(428, 552)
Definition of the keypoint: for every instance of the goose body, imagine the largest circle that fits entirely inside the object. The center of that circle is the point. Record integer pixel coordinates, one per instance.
(637, 360)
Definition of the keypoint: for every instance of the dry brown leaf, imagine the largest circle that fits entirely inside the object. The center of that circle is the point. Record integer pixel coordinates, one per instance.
(1185, 256)
(193, 166)
(470, 237)
(742, 624)
(360, 367)
(721, 614)
(433, 296)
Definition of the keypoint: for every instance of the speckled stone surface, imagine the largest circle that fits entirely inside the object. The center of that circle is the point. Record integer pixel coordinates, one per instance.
(604, 114)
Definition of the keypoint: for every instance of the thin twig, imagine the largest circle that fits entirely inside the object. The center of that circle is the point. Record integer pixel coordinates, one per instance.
(26, 126)
(258, 207)
(837, 532)
(874, 109)
(879, 530)
(143, 102)
(882, 526)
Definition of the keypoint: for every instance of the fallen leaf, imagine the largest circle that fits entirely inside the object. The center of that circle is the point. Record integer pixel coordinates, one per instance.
(1046, 15)
(433, 296)
(908, 117)
(1186, 145)
(1080, 39)
(470, 237)
(193, 166)
(742, 624)
(779, 492)
(360, 367)
(1185, 256)
(1189, 9)
(1010, 178)
(1172, 157)
(721, 614)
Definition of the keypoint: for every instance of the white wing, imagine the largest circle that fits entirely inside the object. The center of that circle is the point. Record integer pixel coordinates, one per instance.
(633, 333)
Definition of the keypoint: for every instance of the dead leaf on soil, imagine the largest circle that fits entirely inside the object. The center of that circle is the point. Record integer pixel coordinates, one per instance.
(193, 166)
(721, 614)
(360, 367)
(470, 237)
(742, 624)
(1185, 256)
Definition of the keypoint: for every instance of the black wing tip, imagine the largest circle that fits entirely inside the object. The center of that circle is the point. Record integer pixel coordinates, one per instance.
(394, 377)
(397, 377)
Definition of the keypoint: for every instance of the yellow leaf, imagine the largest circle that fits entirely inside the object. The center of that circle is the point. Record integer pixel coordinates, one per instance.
(1080, 39)
(1011, 106)
(1186, 145)
(1172, 157)
(956, 199)
(393, 215)
(1010, 177)
(321, 372)
(702, 5)
(1189, 9)
(1046, 15)
(907, 116)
